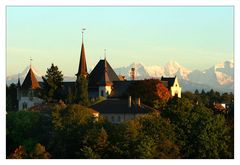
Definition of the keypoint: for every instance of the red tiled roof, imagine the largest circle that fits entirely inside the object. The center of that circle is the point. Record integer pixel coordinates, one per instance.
(30, 81)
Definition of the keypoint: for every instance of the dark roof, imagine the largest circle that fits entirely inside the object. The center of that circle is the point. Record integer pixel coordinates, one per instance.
(98, 74)
(168, 81)
(30, 81)
(82, 69)
(120, 106)
(120, 88)
(104, 80)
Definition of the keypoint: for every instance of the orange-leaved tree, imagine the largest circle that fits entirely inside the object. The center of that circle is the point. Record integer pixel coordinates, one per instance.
(151, 91)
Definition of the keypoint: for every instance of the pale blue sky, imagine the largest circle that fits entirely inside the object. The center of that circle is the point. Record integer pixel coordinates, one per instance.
(195, 37)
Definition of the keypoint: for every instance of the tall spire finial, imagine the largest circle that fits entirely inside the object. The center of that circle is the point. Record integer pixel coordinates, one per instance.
(82, 33)
(105, 52)
(30, 62)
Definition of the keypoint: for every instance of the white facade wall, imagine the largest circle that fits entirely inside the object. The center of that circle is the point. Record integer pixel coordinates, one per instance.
(118, 118)
(176, 89)
(26, 102)
(104, 91)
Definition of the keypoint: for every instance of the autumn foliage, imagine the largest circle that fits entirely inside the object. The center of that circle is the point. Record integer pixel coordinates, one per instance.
(151, 91)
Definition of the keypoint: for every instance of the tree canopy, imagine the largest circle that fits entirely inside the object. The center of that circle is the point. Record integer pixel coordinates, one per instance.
(152, 92)
(52, 84)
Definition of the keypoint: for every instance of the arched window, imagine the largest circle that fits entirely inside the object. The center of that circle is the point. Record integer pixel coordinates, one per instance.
(24, 105)
(102, 93)
(113, 119)
(119, 119)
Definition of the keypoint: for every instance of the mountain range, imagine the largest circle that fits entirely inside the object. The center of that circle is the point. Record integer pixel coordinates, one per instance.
(219, 77)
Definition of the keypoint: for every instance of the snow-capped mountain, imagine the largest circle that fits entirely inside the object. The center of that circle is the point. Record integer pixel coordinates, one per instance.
(219, 77)
(22, 75)
(140, 70)
(171, 68)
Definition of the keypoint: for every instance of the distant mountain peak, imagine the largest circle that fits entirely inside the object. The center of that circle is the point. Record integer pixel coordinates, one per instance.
(219, 76)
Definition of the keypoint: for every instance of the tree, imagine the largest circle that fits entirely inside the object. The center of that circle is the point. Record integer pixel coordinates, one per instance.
(152, 92)
(11, 98)
(200, 133)
(156, 138)
(20, 128)
(70, 124)
(53, 84)
(38, 152)
(82, 91)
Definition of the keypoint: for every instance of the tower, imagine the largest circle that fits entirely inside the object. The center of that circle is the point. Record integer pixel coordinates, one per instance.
(132, 73)
(105, 84)
(28, 92)
(81, 88)
(18, 89)
(82, 68)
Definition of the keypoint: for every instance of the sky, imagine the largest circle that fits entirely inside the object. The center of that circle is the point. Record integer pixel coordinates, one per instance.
(195, 37)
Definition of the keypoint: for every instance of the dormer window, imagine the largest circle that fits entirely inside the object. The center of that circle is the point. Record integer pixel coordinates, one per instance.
(102, 93)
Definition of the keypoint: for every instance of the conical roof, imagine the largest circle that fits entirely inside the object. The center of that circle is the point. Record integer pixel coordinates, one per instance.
(30, 81)
(82, 69)
(102, 74)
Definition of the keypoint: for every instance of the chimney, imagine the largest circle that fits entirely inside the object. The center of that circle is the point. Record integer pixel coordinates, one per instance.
(129, 101)
(138, 102)
(132, 73)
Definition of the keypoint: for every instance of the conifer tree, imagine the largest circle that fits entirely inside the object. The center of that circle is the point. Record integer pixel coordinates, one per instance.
(82, 91)
(52, 83)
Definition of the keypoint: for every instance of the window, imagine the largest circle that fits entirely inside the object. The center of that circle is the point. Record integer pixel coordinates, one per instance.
(119, 119)
(24, 105)
(102, 93)
(113, 119)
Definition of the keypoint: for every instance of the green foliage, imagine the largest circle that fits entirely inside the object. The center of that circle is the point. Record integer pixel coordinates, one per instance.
(155, 133)
(82, 91)
(20, 128)
(38, 152)
(64, 116)
(200, 133)
(88, 153)
(53, 84)
(11, 98)
(183, 129)
(72, 125)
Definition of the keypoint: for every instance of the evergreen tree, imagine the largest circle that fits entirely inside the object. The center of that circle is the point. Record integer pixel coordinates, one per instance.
(11, 98)
(53, 84)
(82, 91)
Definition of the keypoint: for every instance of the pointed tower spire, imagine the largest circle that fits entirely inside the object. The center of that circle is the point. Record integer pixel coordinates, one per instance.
(30, 81)
(105, 80)
(30, 61)
(82, 69)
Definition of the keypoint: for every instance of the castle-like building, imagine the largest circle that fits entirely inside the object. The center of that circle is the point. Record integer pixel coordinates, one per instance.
(102, 82)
